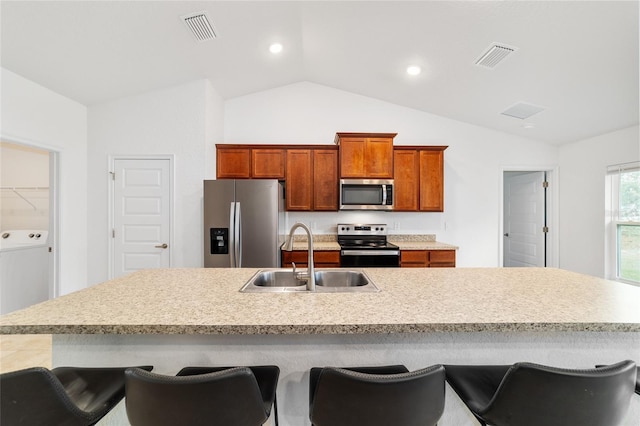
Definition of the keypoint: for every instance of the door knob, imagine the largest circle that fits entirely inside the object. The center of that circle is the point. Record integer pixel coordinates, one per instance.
(164, 246)
(506, 235)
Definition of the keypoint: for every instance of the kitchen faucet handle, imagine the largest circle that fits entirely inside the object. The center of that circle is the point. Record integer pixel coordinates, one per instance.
(294, 268)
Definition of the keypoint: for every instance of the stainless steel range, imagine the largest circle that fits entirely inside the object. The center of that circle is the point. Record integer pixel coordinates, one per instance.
(365, 245)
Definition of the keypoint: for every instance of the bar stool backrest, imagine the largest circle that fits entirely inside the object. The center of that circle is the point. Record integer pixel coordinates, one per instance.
(62, 396)
(532, 395)
(229, 397)
(346, 398)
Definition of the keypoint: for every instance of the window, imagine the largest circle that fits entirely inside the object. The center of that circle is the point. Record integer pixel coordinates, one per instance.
(624, 222)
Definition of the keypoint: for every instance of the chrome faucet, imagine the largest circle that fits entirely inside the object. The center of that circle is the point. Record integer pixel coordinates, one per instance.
(310, 275)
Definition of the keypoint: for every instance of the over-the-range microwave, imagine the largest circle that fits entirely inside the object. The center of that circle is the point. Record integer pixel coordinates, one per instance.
(366, 194)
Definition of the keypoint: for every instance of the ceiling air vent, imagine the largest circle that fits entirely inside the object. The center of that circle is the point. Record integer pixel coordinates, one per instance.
(200, 26)
(494, 55)
(522, 110)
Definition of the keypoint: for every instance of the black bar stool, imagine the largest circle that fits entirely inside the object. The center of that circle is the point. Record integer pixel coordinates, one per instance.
(526, 394)
(266, 376)
(62, 396)
(229, 396)
(376, 396)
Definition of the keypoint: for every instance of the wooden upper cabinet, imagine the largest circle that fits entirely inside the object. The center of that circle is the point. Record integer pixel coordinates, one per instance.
(312, 179)
(366, 155)
(267, 163)
(249, 162)
(299, 180)
(419, 178)
(325, 179)
(432, 181)
(233, 163)
(406, 181)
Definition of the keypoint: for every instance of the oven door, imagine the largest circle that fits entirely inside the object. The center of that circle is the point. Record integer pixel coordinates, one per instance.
(367, 258)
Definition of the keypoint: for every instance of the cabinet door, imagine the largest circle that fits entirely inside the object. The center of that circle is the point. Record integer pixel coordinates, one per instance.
(432, 181)
(299, 183)
(325, 179)
(442, 258)
(321, 259)
(267, 163)
(414, 258)
(379, 158)
(233, 163)
(406, 179)
(352, 158)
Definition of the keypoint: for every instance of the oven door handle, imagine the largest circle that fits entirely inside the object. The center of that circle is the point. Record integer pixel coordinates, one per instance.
(370, 252)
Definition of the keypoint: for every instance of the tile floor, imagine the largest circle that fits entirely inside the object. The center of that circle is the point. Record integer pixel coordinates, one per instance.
(23, 351)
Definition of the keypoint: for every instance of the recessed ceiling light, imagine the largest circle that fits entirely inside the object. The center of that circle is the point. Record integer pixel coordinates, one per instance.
(275, 48)
(528, 125)
(413, 70)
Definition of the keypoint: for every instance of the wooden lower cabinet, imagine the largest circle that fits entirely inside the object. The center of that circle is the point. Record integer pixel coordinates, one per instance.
(428, 258)
(321, 258)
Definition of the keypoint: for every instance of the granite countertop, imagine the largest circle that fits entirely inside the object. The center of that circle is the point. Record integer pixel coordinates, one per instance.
(404, 242)
(208, 301)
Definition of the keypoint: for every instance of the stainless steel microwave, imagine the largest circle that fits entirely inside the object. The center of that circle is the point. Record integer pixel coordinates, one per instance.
(366, 194)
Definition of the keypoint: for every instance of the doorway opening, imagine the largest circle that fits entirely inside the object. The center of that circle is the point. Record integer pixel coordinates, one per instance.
(28, 224)
(528, 237)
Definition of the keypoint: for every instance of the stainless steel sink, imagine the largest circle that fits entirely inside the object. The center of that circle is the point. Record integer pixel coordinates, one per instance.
(327, 281)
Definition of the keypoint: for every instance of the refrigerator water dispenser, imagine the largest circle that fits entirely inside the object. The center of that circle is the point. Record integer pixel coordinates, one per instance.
(219, 240)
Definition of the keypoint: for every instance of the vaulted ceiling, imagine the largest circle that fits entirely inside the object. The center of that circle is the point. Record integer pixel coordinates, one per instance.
(578, 60)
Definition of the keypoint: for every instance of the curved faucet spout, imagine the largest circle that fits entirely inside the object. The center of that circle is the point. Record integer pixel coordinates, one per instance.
(310, 275)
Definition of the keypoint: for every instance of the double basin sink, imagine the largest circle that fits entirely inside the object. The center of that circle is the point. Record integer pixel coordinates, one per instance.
(327, 281)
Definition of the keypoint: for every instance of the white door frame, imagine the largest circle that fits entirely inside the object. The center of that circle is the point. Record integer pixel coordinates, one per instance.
(552, 212)
(55, 154)
(111, 222)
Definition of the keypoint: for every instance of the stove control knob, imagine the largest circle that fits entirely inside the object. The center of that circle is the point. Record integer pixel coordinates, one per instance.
(381, 228)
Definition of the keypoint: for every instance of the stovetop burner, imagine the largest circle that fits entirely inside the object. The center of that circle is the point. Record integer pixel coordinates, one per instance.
(364, 236)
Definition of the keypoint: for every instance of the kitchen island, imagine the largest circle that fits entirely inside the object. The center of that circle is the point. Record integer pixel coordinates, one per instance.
(172, 318)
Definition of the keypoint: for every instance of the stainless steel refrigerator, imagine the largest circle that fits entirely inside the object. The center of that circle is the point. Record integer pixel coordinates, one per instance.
(243, 223)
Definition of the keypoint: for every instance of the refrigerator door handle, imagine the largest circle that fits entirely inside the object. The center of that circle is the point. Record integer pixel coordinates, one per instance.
(238, 229)
(232, 235)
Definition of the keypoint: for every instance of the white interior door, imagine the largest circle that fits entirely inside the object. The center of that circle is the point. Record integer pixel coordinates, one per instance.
(141, 216)
(524, 219)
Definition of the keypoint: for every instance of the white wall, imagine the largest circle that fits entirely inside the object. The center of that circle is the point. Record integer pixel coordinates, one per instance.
(35, 115)
(582, 196)
(307, 113)
(181, 121)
